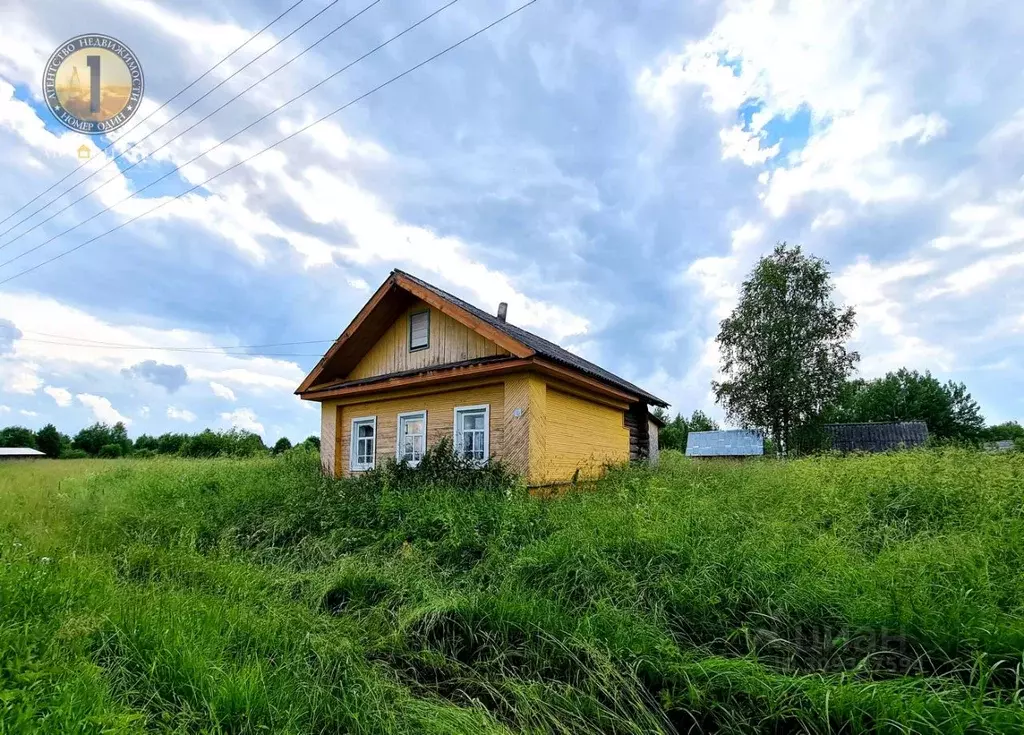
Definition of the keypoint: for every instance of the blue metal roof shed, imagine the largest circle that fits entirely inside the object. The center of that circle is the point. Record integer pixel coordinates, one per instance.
(730, 443)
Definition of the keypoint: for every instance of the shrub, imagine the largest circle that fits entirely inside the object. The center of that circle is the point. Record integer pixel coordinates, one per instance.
(111, 451)
(74, 454)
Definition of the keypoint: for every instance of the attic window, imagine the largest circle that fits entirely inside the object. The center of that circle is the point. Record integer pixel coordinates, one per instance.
(419, 330)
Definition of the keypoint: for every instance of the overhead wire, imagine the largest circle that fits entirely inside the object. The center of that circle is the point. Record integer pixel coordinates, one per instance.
(235, 135)
(138, 123)
(288, 137)
(147, 156)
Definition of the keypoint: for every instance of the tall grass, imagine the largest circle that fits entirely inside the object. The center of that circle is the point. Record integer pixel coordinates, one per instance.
(864, 594)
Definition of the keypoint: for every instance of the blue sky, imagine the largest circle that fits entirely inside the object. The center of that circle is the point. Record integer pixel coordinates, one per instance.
(612, 170)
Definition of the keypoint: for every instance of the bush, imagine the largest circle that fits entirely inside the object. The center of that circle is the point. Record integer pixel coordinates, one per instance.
(111, 451)
(74, 454)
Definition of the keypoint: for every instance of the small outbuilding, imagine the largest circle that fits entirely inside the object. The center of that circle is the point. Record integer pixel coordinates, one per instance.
(876, 437)
(9, 454)
(728, 443)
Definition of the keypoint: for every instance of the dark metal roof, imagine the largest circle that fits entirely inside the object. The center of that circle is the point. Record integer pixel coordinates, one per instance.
(541, 346)
(876, 437)
(728, 443)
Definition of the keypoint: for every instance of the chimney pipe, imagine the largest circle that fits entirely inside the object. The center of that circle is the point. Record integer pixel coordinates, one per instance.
(502, 311)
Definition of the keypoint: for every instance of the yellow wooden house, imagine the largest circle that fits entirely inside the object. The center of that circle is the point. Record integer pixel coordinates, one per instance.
(418, 364)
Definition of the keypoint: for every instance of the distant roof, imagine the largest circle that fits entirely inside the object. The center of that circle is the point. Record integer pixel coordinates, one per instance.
(540, 345)
(20, 452)
(1002, 445)
(876, 437)
(729, 443)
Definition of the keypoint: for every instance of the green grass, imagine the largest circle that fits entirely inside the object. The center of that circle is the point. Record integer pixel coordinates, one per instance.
(869, 594)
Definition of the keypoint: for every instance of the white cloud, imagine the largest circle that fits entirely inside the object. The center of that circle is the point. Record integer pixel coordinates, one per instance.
(222, 391)
(102, 410)
(61, 395)
(18, 375)
(143, 412)
(808, 57)
(243, 418)
(180, 414)
(5, 409)
(20, 371)
(26, 412)
(745, 145)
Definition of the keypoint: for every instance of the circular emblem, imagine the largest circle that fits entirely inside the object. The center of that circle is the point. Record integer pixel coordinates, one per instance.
(93, 84)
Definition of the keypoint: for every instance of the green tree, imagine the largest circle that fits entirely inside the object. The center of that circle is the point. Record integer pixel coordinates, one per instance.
(312, 441)
(92, 438)
(17, 436)
(49, 441)
(145, 442)
(676, 432)
(111, 451)
(907, 395)
(700, 421)
(673, 434)
(282, 445)
(1008, 430)
(783, 347)
(170, 443)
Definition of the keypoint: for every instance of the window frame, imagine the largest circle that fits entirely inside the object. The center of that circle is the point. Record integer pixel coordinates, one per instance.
(486, 408)
(426, 345)
(398, 434)
(353, 451)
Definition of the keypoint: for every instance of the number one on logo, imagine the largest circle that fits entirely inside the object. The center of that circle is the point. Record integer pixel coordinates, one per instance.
(93, 62)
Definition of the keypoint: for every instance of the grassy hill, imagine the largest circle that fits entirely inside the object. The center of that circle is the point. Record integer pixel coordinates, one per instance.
(875, 594)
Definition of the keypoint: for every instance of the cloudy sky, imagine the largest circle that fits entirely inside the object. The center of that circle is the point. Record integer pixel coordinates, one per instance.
(610, 169)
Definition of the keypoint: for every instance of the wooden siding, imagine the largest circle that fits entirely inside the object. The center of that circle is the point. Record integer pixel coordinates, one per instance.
(440, 408)
(524, 435)
(328, 437)
(581, 435)
(450, 342)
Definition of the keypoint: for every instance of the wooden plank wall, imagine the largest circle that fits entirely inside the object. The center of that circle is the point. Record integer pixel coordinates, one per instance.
(582, 435)
(450, 341)
(328, 435)
(440, 408)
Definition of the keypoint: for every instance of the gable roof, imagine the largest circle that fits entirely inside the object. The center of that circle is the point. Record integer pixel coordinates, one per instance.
(519, 342)
(20, 452)
(876, 437)
(726, 443)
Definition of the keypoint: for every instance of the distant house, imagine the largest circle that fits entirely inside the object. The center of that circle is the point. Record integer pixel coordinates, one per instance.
(1003, 445)
(418, 364)
(728, 443)
(10, 454)
(876, 437)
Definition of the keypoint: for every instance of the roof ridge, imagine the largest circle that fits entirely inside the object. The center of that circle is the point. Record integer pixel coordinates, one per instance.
(542, 345)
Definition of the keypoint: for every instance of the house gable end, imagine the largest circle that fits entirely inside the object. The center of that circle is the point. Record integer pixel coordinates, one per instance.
(376, 342)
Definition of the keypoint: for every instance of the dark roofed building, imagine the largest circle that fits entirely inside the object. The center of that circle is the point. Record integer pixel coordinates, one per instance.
(876, 437)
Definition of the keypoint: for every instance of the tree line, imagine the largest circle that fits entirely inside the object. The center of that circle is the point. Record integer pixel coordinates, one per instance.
(788, 372)
(106, 441)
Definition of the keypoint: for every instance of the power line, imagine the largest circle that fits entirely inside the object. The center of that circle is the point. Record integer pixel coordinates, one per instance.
(82, 342)
(147, 117)
(189, 350)
(235, 135)
(186, 130)
(288, 137)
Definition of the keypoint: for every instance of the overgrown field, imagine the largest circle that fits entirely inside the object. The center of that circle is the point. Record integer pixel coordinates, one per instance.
(876, 594)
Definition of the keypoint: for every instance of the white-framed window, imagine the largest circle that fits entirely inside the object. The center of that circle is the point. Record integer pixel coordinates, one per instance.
(412, 437)
(472, 432)
(364, 443)
(419, 330)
